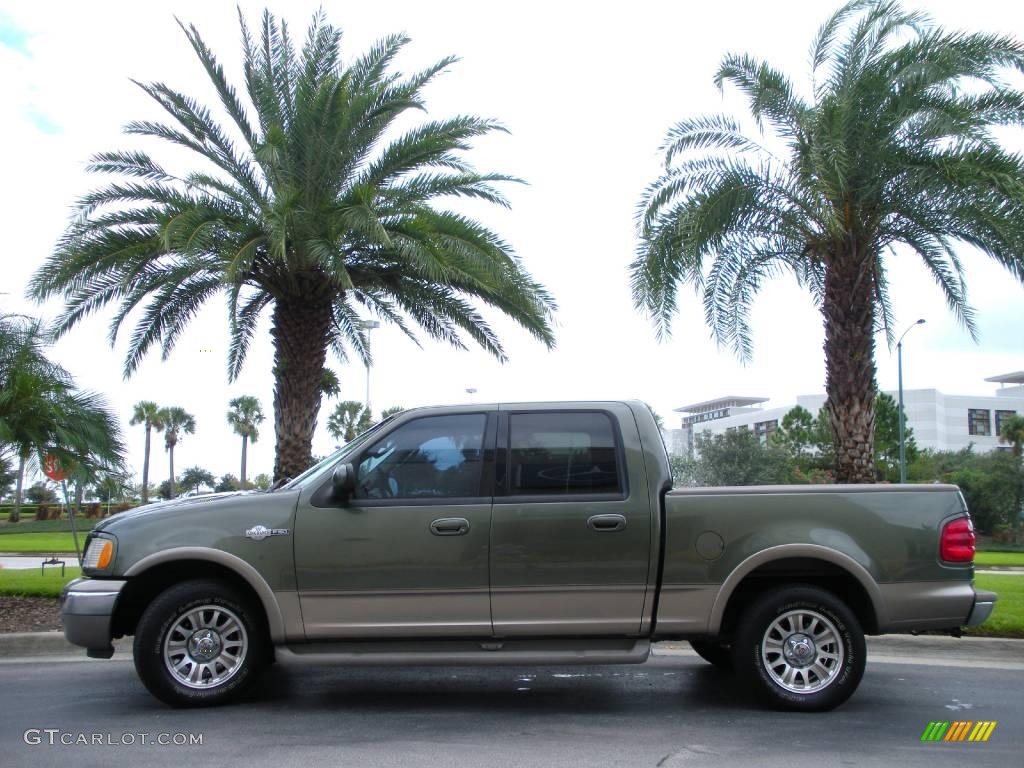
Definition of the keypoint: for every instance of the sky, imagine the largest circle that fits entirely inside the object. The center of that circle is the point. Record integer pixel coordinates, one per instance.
(587, 92)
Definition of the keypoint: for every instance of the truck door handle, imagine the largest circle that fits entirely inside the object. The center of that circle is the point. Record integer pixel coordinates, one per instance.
(450, 526)
(606, 523)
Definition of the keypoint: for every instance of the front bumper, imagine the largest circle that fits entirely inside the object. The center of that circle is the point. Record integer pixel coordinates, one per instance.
(87, 610)
(984, 602)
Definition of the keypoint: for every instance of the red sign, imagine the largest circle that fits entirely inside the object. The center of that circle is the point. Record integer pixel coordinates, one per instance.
(51, 468)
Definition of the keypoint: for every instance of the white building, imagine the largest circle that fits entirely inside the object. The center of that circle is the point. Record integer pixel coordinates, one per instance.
(941, 422)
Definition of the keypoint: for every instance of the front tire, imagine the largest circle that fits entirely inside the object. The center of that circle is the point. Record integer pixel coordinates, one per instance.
(199, 644)
(800, 648)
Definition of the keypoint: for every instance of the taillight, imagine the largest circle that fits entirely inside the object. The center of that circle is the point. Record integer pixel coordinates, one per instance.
(957, 542)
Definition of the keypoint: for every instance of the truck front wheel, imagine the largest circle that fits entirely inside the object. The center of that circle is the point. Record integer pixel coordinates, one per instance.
(800, 648)
(199, 644)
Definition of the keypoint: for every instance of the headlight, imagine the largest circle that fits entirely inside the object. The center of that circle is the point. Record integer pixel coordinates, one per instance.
(99, 555)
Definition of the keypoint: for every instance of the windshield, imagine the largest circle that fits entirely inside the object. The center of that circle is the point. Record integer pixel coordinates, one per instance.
(337, 456)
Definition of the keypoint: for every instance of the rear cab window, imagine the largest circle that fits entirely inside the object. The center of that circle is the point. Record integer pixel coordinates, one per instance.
(564, 453)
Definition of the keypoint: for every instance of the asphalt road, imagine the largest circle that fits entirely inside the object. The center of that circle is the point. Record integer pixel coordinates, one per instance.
(672, 711)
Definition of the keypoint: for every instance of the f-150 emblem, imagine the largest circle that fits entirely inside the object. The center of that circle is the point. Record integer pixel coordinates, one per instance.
(260, 532)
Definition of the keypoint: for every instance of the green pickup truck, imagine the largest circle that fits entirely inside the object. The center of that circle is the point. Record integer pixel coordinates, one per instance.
(524, 533)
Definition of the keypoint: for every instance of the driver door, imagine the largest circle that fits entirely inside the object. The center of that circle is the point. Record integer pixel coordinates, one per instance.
(407, 556)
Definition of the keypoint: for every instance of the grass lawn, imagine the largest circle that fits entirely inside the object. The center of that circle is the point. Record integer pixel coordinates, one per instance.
(999, 558)
(1007, 619)
(30, 583)
(42, 542)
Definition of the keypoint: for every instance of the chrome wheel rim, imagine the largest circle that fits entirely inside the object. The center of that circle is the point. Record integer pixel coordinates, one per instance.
(802, 651)
(205, 647)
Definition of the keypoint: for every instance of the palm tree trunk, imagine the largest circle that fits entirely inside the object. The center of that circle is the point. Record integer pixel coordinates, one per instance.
(15, 515)
(245, 443)
(300, 333)
(170, 453)
(849, 314)
(145, 468)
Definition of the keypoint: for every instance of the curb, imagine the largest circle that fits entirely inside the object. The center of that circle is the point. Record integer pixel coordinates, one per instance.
(15, 645)
(32, 644)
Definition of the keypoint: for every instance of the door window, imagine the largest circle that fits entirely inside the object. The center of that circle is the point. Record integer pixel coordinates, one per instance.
(558, 454)
(435, 457)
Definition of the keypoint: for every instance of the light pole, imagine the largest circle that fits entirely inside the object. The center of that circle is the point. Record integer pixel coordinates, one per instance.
(899, 412)
(368, 325)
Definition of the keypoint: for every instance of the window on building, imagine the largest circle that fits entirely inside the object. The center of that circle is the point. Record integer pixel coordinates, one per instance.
(1001, 418)
(556, 454)
(765, 429)
(978, 422)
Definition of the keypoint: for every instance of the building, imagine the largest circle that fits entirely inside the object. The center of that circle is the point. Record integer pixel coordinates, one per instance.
(940, 421)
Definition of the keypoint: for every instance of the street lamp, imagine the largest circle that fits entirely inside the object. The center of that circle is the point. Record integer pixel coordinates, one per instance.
(368, 325)
(899, 413)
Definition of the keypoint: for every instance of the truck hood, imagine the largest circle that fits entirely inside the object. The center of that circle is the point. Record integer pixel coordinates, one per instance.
(210, 500)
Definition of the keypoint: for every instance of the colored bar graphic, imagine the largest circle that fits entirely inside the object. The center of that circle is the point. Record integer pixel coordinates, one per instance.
(959, 730)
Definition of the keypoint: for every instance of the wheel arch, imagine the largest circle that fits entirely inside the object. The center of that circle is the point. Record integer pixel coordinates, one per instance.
(154, 573)
(799, 563)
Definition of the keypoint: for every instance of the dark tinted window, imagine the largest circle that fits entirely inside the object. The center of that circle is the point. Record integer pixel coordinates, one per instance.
(555, 454)
(429, 458)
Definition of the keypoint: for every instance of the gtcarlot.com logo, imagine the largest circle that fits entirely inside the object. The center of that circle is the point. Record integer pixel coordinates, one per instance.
(55, 736)
(959, 730)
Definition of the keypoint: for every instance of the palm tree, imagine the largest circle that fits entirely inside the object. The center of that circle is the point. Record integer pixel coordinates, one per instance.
(146, 413)
(245, 417)
(392, 411)
(177, 421)
(42, 412)
(307, 205)
(1012, 432)
(195, 477)
(348, 420)
(890, 153)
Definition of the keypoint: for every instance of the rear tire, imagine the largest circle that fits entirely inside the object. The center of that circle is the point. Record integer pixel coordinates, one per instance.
(199, 644)
(800, 648)
(714, 653)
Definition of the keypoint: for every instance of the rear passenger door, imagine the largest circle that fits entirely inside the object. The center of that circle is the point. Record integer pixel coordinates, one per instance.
(570, 526)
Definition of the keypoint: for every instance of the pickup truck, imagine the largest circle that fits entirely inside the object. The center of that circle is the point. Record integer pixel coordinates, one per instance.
(525, 533)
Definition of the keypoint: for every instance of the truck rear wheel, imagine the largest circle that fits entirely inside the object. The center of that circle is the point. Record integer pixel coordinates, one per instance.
(199, 644)
(800, 648)
(714, 653)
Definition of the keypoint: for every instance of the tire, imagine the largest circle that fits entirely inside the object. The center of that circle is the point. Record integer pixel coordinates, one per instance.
(813, 670)
(714, 653)
(213, 637)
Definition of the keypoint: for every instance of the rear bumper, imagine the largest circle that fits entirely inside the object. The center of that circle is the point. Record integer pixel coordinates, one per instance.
(984, 602)
(87, 610)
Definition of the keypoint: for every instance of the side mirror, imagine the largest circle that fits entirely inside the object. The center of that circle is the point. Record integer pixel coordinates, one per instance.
(344, 481)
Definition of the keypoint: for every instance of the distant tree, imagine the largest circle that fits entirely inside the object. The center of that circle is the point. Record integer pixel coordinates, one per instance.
(41, 493)
(113, 487)
(796, 433)
(227, 482)
(164, 490)
(1012, 432)
(147, 413)
(348, 419)
(657, 418)
(262, 481)
(887, 438)
(6, 476)
(196, 477)
(389, 412)
(245, 417)
(177, 422)
(733, 458)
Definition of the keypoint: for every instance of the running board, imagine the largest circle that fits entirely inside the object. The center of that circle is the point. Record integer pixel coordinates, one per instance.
(554, 651)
